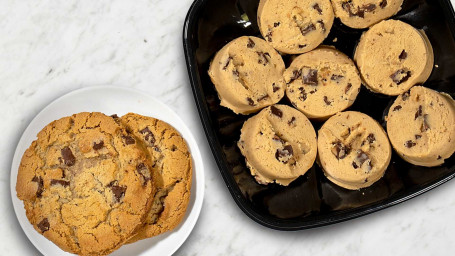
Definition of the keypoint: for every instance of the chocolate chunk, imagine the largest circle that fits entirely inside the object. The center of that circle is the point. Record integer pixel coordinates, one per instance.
(360, 12)
(396, 108)
(418, 113)
(439, 157)
(383, 4)
(227, 63)
(295, 75)
(235, 72)
(410, 144)
(311, 78)
(276, 24)
(348, 87)
(144, 172)
(302, 46)
(268, 36)
(275, 88)
(263, 97)
(128, 139)
(400, 76)
(418, 136)
(148, 135)
(40, 189)
(361, 157)
(369, 7)
(263, 58)
(371, 138)
(277, 138)
(251, 43)
(43, 225)
(336, 77)
(68, 156)
(250, 101)
(118, 191)
(307, 29)
(322, 25)
(405, 95)
(403, 55)
(276, 111)
(317, 8)
(292, 121)
(282, 155)
(303, 95)
(115, 116)
(97, 146)
(355, 165)
(347, 7)
(326, 100)
(424, 127)
(60, 182)
(339, 150)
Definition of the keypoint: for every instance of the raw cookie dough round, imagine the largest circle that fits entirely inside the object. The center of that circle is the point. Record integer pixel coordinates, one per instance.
(85, 184)
(322, 82)
(364, 13)
(172, 166)
(248, 75)
(295, 26)
(428, 136)
(354, 150)
(393, 56)
(279, 145)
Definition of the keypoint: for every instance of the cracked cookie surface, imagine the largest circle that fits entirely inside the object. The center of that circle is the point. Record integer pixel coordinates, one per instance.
(393, 56)
(172, 167)
(322, 82)
(428, 138)
(295, 26)
(279, 145)
(248, 75)
(354, 151)
(85, 184)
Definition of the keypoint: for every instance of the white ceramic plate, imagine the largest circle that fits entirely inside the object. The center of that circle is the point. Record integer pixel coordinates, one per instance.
(113, 100)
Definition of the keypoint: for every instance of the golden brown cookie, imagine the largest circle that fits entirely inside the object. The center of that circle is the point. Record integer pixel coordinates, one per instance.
(85, 184)
(172, 166)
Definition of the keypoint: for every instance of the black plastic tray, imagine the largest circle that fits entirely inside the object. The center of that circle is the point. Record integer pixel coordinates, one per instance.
(311, 200)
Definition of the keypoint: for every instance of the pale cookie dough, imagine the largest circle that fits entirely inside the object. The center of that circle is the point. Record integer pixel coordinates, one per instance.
(295, 26)
(322, 82)
(392, 56)
(85, 183)
(421, 126)
(279, 145)
(172, 167)
(354, 150)
(248, 75)
(364, 13)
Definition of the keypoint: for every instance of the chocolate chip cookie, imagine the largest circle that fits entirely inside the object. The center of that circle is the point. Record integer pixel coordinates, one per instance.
(428, 138)
(279, 145)
(353, 150)
(364, 13)
(248, 75)
(393, 56)
(172, 170)
(322, 82)
(293, 26)
(85, 183)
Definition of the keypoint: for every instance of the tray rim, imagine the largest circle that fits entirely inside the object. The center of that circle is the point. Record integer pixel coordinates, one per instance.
(242, 203)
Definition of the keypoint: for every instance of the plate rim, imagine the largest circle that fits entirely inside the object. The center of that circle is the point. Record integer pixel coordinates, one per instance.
(242, 203)
(198, 173)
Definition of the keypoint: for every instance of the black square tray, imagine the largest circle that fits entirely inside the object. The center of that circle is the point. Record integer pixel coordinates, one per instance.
(311, 200)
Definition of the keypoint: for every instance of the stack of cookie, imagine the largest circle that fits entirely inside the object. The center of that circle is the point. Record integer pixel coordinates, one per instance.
(91, 182)
(354, 151)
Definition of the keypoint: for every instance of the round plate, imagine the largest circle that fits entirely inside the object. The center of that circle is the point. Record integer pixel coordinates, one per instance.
(113, 100)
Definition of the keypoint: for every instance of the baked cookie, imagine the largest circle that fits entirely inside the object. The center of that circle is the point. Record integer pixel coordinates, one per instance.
(392, 56)
(322, 82)
(85, 184)
(354, 150)
(279, 145)
(428, 136)
(248, 75)
(293, 26)
(172, 166)
(364, 13)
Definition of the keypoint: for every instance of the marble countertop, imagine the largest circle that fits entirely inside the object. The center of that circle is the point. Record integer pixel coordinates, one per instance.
(49, 48)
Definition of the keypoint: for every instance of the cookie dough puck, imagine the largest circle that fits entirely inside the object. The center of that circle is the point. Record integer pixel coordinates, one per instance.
(393, 56)
(322, 82)
(248, 75)
(428, 136)
(295, 26)
(279, 144)
(364, 13)
(354, 150)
